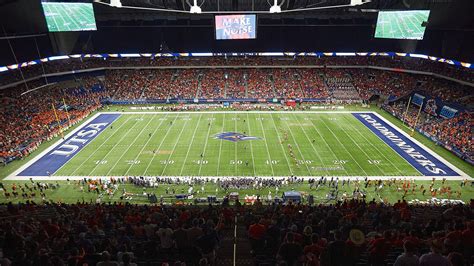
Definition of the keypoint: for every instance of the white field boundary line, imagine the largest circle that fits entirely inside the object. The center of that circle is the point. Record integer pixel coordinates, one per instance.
(462, 176)
(437, 156)
(352, 178)
(50, 148)
(236, 112)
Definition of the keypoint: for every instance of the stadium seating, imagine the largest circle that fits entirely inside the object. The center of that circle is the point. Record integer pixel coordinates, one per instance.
(28, 120)
(321, 84)
(347, 233)
(455, 132)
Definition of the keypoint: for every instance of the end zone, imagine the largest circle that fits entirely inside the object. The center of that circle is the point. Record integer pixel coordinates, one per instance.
(53, 158)
(426, 161)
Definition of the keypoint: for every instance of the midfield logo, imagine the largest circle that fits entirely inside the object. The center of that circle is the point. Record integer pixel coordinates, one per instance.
(234, 136)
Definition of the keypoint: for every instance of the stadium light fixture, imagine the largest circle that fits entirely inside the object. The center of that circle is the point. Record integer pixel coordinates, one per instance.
(275, 8)
(195, 9)
(116, 3)
(358, 2)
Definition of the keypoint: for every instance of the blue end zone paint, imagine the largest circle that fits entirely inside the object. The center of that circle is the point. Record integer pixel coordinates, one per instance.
(419, 158)
(61, 154)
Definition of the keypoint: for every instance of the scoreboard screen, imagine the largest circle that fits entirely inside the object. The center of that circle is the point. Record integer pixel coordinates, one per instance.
(408, 25)
(236, 27)
(69, 16)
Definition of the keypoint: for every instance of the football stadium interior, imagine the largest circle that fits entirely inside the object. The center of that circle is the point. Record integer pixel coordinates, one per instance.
(237, 132)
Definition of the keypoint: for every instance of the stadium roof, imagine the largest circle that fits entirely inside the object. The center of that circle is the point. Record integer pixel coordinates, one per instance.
(450, 32)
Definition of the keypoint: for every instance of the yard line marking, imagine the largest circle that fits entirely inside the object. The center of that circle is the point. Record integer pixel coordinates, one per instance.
(322, 120)
(205, 145)
(266, 145)
(190, 145)
(220, 148)
(121, 138)
(297, 146)
(235, 145)
(312, 145)
(251, 148)
(281, 145)
(161, 143)
(327, 144)
(100, 146)
(134, 140)
(363, 150)
(378, 150)
(174, 147)
(146, 143)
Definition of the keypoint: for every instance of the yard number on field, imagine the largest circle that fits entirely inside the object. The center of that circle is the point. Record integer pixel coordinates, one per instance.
(374, 161)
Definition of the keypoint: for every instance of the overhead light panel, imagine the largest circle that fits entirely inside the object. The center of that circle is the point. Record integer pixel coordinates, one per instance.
(358, 2)
(275, 8)
(115, 3)
(195, 9)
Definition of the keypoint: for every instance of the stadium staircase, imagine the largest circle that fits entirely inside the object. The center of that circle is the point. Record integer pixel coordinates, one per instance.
(199, 87)
(226, 86)
(272, 81)
(246, 84)
(299, 82)
(342, 88)
(225, 255)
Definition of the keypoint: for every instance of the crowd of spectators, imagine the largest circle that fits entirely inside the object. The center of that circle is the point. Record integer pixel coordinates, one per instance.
(259, 84)
(377, 82)
(448, 92)
(236, 84)
(455, 132)
(351, 232)
(184, 84)
(287, 83)
(28, 120)
(157, 87)
(313, 84)
(32, 120)
(361, 233)
(85, 234)
(213, 84)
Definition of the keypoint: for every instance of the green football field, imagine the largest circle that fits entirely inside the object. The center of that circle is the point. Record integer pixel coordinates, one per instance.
(177, 144)
(401, 24)
(69, 16)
